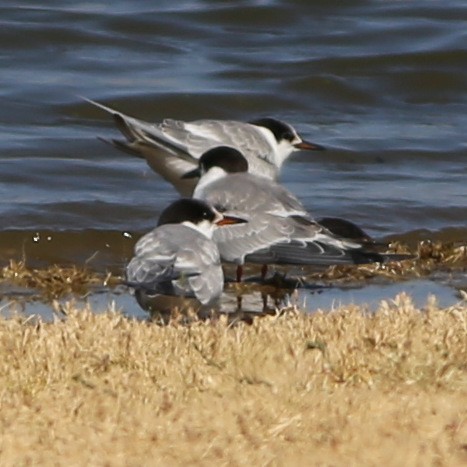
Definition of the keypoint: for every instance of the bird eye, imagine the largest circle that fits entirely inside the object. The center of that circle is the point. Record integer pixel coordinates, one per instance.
(289, 136)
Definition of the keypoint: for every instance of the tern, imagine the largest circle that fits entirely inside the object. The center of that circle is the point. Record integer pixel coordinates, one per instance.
(177, 264)
(279, 229)
(173, 147)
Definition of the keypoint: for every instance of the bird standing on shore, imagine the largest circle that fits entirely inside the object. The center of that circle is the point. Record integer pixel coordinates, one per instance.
(279, 229)
(177, 265)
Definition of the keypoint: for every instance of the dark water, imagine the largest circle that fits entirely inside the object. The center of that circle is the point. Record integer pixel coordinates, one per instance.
(382, 84)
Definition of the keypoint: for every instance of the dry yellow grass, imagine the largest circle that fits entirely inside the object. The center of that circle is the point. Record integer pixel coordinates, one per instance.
(337, 388)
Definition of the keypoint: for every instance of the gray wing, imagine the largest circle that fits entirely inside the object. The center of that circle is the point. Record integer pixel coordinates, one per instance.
(245, 192)
(268, 208)
(269, 239)
(278, 229)
(208, 286)
(201, 135)
(320, 253)
(177, 260)
(312, 244)
(317, 253)
(153, 264)
(197, 137)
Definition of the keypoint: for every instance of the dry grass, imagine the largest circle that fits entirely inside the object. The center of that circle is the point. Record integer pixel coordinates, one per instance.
(337, 388)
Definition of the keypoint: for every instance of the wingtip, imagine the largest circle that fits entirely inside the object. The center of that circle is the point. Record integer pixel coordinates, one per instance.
(98, 104)
(87, 99)
(84, 98)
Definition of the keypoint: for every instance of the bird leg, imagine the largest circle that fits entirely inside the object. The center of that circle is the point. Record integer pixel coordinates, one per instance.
(264, 271)
(239, 273)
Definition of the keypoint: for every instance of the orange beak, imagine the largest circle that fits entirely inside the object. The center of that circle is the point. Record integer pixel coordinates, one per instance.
(230, 220)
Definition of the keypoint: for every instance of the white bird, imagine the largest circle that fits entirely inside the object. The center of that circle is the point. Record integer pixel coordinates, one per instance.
(279, 229)
(173, 147)
(177, 264)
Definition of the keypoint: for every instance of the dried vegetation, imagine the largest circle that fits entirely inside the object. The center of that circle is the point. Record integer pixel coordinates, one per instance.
(56, 281)
(429, 257)
(334, 388)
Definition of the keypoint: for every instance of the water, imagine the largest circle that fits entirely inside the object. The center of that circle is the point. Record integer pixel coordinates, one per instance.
(381, 84)
(20, 303)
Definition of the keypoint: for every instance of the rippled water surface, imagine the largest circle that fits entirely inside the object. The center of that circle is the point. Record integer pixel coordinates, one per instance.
(383, 85)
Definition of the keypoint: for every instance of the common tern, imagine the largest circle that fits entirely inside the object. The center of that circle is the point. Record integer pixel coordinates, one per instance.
(173, 147)
(279, 229)
(178, 264)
